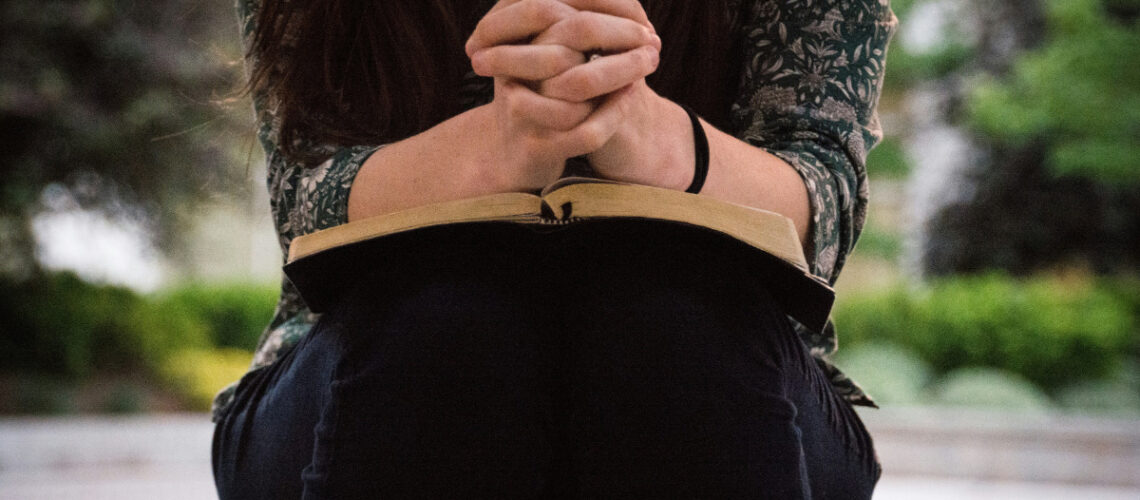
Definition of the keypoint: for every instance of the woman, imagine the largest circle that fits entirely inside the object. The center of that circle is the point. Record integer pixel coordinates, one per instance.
(371, 107)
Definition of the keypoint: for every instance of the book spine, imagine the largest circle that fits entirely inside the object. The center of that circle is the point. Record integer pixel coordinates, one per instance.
(564, 214)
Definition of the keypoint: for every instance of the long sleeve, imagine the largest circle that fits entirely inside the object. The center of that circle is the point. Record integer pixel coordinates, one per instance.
(813, 70)
(812, 74)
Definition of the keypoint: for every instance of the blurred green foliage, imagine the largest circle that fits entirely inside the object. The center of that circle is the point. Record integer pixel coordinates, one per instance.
(888, 160)
(198, 374)
(896, 376)
(1115, 396)
(1051, 330)
(1078, 94)
(118, 102)
(1048, 93)
(234, 314)
(62, 325)
(990, 388)
(877, 242)
(892, 374)
(906, 68)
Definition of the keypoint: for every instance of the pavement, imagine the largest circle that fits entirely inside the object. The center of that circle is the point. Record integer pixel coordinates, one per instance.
(926, 453)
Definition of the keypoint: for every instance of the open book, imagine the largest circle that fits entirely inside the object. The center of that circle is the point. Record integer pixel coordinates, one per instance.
(772, 238)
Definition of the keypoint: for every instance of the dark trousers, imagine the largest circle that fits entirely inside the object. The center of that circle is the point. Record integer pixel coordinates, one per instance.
(565, 367)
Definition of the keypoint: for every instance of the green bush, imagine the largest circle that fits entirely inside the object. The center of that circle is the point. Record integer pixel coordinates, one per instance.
(906, 70)
(1127, 290)
(43, 336)
(891, 374)
(57, 324)
(197, 375)
(1102, 397)
(990, 388)
(876, 242)
(62, 325)
(144, 336)
(1051, 331)
(235, 314)
(1087, 124)
(888, 160)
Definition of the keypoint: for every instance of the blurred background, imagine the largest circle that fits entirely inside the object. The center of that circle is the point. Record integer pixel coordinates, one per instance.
(992, 306)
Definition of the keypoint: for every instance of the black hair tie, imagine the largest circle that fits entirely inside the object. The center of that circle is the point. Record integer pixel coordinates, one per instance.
(701, 146)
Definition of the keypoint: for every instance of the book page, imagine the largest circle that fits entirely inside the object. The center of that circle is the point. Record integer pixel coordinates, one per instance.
(767, 231)
(515, 207)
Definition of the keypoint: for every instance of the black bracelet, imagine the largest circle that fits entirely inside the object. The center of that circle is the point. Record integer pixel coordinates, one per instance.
(701, 146)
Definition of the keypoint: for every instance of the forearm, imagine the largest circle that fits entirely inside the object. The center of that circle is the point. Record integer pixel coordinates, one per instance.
(663, 155)
(747, 175)
(450, 161)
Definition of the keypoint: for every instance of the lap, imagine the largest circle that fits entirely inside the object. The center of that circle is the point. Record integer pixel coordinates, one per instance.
(633, 372)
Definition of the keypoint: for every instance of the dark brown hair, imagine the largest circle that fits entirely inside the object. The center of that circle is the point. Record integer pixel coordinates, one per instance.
(365, 72)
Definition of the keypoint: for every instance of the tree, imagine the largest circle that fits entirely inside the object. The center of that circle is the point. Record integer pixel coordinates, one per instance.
(1059, 126)
(1078, 95)
(115, 101)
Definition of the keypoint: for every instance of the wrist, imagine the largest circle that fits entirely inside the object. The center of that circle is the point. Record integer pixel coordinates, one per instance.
(488, 165)
(504, 160)
(653, 147)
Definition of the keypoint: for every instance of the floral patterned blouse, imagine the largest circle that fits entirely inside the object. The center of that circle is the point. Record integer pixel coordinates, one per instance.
(812, 72)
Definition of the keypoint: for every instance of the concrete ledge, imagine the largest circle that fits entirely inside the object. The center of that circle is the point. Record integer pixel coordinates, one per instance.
(919, 445)
(104, 441)
(988, 445)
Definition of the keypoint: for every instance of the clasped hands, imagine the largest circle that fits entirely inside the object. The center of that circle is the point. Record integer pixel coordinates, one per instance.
(570, 81)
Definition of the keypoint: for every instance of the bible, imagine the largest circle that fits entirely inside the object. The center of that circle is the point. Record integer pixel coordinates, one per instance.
(323, 264)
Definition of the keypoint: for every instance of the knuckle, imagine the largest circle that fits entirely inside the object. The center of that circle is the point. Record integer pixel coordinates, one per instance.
(544, 11)
(621, 103)
(579, 113)
(638, 58)
(645, 60)
(560, 123)
(484, 61)
(554, 118)
(555, 63)
(516, 114)
(582, 26)
(569, 117)
(653, 55)
(580, 85)
(516, 109)
(567, 57)
(591, 136)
